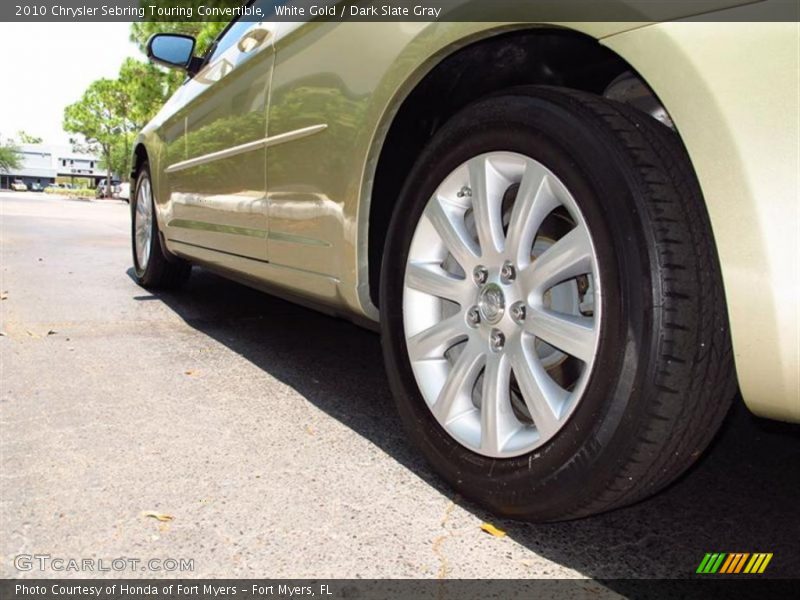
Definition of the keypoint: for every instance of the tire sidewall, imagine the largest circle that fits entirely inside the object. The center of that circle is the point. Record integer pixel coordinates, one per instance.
(142, 274)
(593, 168)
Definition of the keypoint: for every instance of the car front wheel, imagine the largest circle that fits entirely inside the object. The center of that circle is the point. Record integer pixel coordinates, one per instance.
(553, 318)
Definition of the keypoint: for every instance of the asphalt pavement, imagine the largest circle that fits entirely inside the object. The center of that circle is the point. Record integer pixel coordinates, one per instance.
(259, 439)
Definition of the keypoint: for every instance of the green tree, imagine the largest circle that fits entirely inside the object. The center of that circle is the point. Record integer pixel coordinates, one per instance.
(99, 117)
(26, 138)
(111, 111)
(146, 88)
(10, 158)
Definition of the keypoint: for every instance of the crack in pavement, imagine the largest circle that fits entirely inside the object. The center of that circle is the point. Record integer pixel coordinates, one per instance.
(438, 541)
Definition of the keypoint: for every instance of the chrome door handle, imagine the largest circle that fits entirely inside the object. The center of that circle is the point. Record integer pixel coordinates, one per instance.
(253, 39)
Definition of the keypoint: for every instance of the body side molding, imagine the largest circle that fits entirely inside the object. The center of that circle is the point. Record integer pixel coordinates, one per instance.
(248, 147)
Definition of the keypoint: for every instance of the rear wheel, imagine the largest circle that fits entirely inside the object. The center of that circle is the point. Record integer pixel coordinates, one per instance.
(556, 334)
(153, 266)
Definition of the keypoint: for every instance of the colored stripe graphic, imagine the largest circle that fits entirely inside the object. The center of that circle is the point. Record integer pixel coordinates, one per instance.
(734, 562)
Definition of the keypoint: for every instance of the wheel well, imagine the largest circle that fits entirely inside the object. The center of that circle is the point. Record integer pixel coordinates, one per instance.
(539, 57)
(139, 157)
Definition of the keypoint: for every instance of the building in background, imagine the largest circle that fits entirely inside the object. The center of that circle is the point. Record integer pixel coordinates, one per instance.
(48, 163)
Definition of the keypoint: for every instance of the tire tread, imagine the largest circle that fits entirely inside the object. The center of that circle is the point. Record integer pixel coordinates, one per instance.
(680, 429)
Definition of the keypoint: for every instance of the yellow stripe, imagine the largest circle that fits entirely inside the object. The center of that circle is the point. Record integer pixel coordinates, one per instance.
(750, 564)
(727, 563)
(757, 564)
(767, 558)
(741, 562)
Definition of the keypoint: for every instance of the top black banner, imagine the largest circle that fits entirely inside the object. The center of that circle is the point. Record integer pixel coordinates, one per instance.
(546, 11)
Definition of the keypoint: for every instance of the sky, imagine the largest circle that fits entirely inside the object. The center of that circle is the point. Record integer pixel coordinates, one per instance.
(47, 66)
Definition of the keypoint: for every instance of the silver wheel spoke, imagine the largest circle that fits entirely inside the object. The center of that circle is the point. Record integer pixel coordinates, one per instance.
(498, 422)
(434, 341)
(535, 200)
(454, 398)
(567, 258)
(574, 335)
(540, 392)
(487, 207)
(431, 279)
(452, 231)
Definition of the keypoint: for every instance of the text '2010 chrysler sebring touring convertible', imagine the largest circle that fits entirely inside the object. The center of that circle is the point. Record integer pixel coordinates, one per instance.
(578, 240)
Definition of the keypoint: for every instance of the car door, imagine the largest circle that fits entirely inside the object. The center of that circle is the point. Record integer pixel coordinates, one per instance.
(218, 190)
(321, 95)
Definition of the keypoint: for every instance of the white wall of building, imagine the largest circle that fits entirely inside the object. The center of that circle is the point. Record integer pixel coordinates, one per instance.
(45, 162)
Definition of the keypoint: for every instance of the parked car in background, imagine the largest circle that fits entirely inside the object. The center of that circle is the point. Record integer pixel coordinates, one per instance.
(103, 190)
(576, 239)
(36, 187)
(124, 192)
(19, 186)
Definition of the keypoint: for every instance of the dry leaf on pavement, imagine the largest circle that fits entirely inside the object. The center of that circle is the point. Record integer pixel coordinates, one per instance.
(492, 530)
(159, 516)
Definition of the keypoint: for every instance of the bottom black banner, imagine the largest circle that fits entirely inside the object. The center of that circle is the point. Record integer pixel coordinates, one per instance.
(336, 589)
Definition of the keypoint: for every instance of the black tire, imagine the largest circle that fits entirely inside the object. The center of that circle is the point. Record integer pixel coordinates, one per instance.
(163, 269)
(663, 377)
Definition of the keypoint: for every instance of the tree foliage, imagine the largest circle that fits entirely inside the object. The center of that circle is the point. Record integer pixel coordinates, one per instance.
(111, 111)
(146, 89)
(10, 158)
(24, 137)
(99, 117)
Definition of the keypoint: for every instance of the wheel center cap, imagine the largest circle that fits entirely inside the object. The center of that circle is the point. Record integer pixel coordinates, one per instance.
(491, 303)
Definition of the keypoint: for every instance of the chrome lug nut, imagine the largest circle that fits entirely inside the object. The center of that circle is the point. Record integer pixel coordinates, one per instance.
(480, 275)
(508, 273)
(497, 340)
(518, 312)
(474, 317)
(465, 191)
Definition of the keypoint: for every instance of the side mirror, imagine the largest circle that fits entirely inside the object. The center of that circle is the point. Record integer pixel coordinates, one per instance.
(172, 50)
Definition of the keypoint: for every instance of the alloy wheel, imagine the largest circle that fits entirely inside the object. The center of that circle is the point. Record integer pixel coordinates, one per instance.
(502, 304)
(143, 223)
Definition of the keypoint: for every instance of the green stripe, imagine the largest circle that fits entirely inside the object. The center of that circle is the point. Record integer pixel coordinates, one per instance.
(711, 562)
(701, 568)
(718, 563)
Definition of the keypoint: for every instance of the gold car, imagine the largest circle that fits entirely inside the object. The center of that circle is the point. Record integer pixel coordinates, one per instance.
(578, 240)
